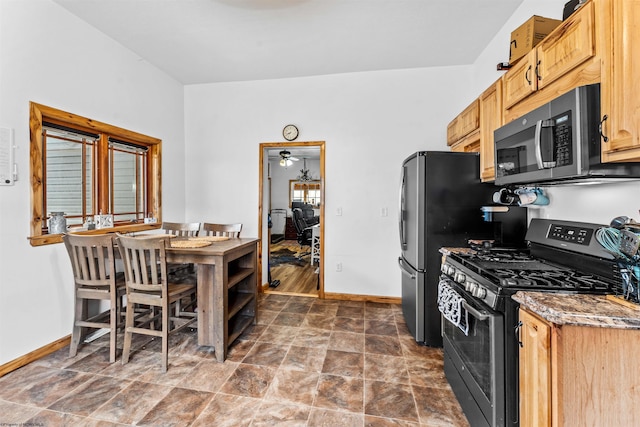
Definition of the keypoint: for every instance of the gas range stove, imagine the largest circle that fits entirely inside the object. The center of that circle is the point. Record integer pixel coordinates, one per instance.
(480, 317)
(563, 256)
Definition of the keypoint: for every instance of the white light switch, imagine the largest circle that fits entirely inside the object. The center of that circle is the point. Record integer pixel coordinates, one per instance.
(384, 212)
(338, 211)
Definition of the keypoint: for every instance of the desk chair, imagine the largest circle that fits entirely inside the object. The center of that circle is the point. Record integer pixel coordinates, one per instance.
(229, 230)
(95, 278)
(303, 231)
(147, 283)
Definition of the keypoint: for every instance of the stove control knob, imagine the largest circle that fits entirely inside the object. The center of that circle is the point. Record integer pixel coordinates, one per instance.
(470, 287)
(447, 269)
(460, 277)
(480, 292)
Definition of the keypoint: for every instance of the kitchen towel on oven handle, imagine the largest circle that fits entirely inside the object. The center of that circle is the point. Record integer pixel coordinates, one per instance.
(450, 304)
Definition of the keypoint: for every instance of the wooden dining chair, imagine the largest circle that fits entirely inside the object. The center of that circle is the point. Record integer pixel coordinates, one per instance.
(228, 230)
(95, 278)
(147, 283)
(181, 229)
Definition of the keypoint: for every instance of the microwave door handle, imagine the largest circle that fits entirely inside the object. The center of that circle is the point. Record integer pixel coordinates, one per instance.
(538, 143)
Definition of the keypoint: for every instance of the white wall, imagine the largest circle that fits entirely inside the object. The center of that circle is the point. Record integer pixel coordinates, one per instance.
(593, 203)
(210, 163)
(370, 122)
(51, 57)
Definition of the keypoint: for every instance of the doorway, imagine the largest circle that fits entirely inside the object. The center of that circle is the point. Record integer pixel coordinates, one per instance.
(291, 171)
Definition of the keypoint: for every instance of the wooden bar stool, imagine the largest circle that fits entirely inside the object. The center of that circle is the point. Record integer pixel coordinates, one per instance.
(147, 283)
(95, 278)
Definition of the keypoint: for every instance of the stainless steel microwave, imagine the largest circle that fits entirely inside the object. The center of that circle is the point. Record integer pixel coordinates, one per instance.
(557, 142)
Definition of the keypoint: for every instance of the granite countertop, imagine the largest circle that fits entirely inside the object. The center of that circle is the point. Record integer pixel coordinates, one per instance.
(579, 309)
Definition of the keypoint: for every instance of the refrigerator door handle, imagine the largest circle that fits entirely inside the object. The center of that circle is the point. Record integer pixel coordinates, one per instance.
(403, 240)
(404, 269)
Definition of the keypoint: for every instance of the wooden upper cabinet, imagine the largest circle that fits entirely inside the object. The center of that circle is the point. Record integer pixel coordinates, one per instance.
(565, 48)
(619, 37)
(490, 120)
(468, 144)
(520, 81)
(465, 123)
(569, 45)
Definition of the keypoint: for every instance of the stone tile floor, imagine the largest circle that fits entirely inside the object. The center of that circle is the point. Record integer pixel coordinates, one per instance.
(308, 362)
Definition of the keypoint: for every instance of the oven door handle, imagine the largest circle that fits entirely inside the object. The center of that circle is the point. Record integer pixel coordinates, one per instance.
(475, 313)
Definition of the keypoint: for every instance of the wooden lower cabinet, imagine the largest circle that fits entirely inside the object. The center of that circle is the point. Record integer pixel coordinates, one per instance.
(578, 375)
(535, 371)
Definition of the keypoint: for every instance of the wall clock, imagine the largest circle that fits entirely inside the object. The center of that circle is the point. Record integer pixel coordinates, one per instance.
(290, 132)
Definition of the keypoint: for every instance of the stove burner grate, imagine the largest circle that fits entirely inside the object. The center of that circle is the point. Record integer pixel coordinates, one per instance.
(550, 279)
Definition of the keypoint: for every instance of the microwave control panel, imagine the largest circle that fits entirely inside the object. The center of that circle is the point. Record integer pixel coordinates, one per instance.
(562, 139)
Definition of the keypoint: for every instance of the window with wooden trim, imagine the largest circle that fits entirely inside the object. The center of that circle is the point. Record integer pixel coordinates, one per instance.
(306, 192)
(83, 168)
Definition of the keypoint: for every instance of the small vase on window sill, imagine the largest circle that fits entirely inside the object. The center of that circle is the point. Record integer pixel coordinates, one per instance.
(57, 223)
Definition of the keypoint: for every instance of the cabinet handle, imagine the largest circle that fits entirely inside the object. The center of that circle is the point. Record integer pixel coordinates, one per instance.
(526, 75)
(538, 76)
(517, 331)
(605, 138)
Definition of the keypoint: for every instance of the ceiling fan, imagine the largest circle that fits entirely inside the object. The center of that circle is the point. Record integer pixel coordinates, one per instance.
(286, 159)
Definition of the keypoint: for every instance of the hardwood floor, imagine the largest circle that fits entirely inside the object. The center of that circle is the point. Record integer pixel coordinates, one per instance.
(295, 278)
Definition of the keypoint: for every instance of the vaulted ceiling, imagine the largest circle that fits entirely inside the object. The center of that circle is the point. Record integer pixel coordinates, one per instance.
(209, 41)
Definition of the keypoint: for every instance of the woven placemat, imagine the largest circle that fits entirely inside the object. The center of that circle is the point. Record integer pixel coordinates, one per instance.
(211, 238)
(187, 244)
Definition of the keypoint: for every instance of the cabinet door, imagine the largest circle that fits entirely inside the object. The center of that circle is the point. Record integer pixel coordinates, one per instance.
(520, 81)
(620, 89)
(468, 144)
(464, 123)
(535, 371)
(569, 45)
(490, 120)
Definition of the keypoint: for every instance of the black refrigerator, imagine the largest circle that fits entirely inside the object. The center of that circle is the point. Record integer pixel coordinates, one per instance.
(440, 206)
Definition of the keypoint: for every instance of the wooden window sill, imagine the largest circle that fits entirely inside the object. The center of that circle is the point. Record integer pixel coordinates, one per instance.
(48, 239)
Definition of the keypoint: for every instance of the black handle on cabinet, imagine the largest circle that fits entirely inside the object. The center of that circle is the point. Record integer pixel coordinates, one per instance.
(517, 332)
(526, 75)
(605, 138)
(538, 76)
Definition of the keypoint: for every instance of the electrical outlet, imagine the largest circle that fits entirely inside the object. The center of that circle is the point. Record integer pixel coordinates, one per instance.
(339, 267)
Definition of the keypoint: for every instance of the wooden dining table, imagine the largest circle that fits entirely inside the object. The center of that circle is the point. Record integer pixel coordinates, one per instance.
(227, 284)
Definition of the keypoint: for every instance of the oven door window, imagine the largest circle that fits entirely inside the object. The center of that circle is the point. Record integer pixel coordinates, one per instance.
(480, 351)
